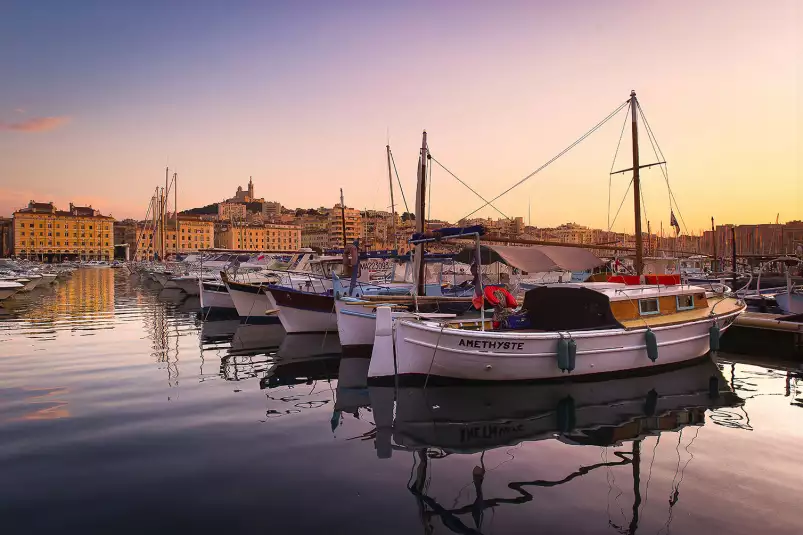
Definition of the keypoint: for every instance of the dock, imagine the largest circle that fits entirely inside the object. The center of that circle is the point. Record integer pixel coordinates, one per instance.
(776, 335)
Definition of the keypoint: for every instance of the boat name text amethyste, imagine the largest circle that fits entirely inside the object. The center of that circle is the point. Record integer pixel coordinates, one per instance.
(491, 344)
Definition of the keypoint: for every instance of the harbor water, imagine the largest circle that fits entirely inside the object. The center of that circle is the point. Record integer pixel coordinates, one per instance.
(122, 411)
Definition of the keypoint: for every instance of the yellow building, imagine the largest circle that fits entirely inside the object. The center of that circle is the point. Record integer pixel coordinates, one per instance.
(255, 237)
(194, 234)
(42, 231)
(353, 226)
(315, 238)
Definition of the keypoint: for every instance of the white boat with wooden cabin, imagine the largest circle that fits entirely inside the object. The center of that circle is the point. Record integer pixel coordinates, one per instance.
(583, 329)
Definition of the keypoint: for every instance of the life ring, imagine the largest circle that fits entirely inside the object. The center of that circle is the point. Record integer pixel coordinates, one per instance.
(490, 294)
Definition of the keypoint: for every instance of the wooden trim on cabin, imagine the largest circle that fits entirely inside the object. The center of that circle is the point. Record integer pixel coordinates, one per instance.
(720, 306)
(627, 310)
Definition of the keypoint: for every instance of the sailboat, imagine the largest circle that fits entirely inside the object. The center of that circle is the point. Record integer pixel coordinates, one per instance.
(582, 329)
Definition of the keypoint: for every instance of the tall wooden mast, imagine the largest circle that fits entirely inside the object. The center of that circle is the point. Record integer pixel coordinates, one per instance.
(636, 183)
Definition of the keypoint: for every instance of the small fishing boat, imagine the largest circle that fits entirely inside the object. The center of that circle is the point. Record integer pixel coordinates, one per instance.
(582, 329)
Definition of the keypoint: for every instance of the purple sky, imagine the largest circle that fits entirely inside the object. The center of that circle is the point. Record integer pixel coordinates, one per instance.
(97, 97)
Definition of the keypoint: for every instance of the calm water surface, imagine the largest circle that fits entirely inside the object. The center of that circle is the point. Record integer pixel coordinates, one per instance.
(120, 412)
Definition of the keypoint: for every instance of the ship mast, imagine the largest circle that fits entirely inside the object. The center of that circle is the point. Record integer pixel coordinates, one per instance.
(421, 195)
(175, 206)
(392, 203)
(636, 184)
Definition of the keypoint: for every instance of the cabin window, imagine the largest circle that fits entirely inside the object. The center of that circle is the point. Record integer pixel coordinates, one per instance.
(648, 306)
(685, 302)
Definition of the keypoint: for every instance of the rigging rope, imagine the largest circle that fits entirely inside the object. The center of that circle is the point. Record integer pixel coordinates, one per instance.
(610, 174)
(621, 204)
(406, 208)
(644, 207)
(432, 158)
(664, 170)
(561, 153)
(429, 191)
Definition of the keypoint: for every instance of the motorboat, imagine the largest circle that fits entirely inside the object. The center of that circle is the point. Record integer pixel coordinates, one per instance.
(9, 288)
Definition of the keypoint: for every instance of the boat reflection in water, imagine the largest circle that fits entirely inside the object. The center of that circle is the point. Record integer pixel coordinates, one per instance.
(439, 422)
(267, 353)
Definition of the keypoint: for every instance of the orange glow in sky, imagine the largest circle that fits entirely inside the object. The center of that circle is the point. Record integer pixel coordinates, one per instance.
(98, 99)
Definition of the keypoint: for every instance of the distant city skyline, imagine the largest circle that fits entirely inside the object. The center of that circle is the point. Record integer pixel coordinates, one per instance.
(97, 99)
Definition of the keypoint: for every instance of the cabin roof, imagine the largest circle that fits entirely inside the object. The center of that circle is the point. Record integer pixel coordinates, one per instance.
(617, 291)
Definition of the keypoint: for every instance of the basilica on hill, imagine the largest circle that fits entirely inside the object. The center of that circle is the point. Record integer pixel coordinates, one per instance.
(245, 195)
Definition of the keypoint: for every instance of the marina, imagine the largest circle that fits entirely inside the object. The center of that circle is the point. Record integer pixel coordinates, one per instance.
(353, 267)
(129, 390)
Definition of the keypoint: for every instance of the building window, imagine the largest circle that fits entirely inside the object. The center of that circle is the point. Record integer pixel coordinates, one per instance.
(685, 302)
(647, 307)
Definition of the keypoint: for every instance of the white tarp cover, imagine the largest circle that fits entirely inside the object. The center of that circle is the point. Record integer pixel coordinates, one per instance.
(536, 258)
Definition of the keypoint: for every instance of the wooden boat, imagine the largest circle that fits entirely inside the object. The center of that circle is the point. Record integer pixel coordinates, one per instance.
(612, 328)
(583, 329)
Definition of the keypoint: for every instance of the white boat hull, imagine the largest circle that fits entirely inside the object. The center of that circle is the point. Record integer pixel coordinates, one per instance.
(214, 299)
(356, 324)
(426, 348)
(296, 320)
(188, 286)
(249, 305)
(300, 320)
(790, 303)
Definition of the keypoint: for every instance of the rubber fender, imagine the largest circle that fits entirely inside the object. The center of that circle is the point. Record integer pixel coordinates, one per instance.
(713, 337)
(652, 345)
(572, 355)
(565, 415)
(563, 354)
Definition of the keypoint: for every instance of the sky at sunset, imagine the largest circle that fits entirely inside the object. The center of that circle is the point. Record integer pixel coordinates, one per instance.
(97, 97)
